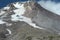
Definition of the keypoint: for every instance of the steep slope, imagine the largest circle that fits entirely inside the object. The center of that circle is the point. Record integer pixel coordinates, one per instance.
(26, 21)
(47, 19)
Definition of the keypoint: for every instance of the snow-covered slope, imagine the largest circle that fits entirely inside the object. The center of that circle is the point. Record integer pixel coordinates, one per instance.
(17, 12)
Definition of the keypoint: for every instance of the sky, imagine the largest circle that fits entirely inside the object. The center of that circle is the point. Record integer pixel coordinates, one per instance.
(56, 1)
(5, 2)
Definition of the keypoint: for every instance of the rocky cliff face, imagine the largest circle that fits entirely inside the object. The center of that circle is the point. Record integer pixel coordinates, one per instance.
(28, 21)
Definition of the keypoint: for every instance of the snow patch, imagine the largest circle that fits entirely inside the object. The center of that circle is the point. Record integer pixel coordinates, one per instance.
(9, 31)
(17, 5)
(2, 12)
(6, 8)
(8, 24)
(2, 22)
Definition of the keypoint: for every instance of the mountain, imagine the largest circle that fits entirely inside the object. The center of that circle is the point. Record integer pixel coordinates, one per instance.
(28, 21)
